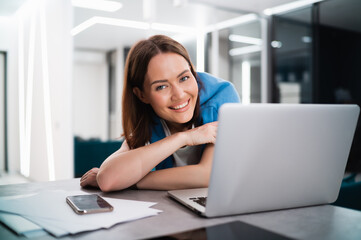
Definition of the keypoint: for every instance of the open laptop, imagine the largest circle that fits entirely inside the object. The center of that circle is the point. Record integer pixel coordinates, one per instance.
(275, 156)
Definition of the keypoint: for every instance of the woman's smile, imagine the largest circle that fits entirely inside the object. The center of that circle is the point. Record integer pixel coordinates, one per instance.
(181, 107)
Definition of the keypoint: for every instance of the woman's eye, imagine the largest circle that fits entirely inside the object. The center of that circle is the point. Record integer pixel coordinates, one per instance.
(160, 87)
(184, 78)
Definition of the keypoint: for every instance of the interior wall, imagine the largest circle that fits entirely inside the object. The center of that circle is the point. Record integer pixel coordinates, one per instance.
(90, 95)
(116, 128)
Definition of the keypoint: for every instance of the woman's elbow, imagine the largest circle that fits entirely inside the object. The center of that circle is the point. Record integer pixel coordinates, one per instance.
(104, 182)
(107, 182)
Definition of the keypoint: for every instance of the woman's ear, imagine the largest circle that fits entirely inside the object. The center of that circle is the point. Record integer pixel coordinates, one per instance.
(139, 93)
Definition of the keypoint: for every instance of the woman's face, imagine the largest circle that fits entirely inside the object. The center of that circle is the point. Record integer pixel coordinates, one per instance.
(170, 88)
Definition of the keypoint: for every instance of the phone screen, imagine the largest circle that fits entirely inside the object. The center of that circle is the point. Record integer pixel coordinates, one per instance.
(92, 203)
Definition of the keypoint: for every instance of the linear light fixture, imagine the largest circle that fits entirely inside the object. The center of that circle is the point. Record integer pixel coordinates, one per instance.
(160, 26)
(24, 166)
(130, 24)
(289, 6)
(246, 82)
(232, 22)
(29, 96)
(108, 21)
(245, 39)
(244, 50)
(46, 96)
(102, 5)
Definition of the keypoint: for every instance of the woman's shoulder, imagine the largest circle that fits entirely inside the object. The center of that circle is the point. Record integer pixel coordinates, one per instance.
(213, 94)
(216, 89)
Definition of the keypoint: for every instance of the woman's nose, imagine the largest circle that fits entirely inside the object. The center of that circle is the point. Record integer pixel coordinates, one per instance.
(177, 92)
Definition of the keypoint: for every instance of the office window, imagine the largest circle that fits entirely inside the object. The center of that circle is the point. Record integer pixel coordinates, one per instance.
(238, 58)
(245, 42)
(291, 45)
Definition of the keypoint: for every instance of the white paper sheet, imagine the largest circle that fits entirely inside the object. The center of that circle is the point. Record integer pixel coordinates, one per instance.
(49, 210)
(21, 225)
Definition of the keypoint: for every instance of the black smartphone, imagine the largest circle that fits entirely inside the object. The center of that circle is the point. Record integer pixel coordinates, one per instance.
(93, 203)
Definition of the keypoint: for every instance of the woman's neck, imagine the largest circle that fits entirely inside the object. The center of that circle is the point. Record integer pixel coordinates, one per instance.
(176, 127)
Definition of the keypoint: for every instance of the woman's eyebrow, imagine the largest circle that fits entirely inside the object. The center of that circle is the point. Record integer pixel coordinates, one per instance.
(164, 80)
(158, 81)
(187, 70)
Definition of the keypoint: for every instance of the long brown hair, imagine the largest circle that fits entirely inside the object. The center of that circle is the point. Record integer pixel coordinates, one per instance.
(136, 115)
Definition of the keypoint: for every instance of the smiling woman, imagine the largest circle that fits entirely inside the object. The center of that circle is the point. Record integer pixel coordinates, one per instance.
(169, 121)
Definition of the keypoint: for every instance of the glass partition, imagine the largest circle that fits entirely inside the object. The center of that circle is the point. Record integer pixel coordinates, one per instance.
(245, 43)
(292, 57)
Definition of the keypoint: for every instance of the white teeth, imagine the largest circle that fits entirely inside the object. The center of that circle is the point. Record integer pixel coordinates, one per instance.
(181, 106)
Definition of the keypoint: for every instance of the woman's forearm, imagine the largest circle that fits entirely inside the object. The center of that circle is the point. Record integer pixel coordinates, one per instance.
(123, 169)
(191, 176)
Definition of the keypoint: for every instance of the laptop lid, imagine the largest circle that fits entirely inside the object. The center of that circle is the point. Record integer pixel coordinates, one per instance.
(276, 156)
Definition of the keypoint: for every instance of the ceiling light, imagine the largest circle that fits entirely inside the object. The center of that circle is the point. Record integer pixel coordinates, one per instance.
(108, 21)
(276, 44)
(245, 39)
(289, 6)
(244, 50)
(306, 39)
(232, 22)
(103, 5)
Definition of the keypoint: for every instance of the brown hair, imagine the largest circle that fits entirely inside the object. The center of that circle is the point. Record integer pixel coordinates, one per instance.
(136, 115)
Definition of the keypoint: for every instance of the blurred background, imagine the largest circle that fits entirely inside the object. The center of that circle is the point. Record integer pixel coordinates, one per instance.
(61, 67)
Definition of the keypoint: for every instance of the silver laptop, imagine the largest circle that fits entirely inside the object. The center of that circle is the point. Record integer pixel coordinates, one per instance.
(275, 156)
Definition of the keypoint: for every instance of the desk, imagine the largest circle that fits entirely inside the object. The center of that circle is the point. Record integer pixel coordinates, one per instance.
(318, 222)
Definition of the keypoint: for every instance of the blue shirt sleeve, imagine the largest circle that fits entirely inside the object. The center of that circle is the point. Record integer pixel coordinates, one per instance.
(213, 95)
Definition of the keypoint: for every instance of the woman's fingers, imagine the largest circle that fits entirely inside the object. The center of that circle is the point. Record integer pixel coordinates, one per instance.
(204, 134)
(89, 178)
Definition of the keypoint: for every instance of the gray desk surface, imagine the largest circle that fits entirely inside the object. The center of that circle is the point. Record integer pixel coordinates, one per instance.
(318, 222)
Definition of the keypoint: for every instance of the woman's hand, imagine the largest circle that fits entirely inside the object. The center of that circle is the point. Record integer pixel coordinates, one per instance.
(203, 134)
(90, 178)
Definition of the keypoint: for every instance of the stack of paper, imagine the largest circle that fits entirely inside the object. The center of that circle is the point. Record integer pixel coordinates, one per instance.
(48, 210)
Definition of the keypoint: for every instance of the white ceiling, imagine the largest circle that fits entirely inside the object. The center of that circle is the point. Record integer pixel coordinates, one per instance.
(193, 13)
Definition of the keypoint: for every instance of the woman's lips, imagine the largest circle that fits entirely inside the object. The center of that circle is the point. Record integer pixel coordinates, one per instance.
(180, 106)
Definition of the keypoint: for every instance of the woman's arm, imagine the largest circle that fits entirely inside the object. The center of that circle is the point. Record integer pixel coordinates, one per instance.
(126, 167)
(191, 176)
